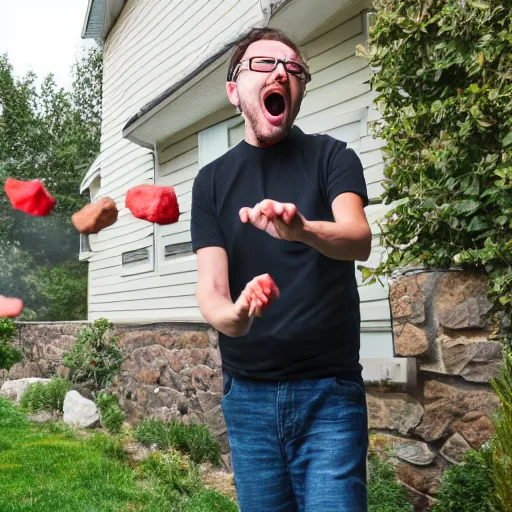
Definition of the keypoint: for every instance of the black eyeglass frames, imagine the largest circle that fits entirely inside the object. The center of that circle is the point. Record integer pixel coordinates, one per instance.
(267, 65)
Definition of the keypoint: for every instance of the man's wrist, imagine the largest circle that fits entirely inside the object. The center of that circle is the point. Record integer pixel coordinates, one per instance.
(308, 233)
(240, 323)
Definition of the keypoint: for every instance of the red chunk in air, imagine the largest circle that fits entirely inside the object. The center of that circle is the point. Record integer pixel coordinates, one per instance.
(96, 216)
(154, 204)
(10, 307)
(29, 196)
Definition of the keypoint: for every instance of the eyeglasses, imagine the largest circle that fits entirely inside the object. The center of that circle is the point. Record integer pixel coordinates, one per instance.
(267, 65)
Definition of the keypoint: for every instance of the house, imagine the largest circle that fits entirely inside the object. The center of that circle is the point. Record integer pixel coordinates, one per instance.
(166, 114)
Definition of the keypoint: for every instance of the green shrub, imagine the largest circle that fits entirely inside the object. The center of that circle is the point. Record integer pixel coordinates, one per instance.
(95, 359)
(442, 74)
(45, 397)
(468, 487)
(9, 355)
(194, 440)
(385, 493)
(502, 441)
(172, 471)
(111, 414)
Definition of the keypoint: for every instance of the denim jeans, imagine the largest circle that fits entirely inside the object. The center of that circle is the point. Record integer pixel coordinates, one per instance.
(298, 446)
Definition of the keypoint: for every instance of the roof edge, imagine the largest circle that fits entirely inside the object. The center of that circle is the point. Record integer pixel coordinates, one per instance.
(86, 19)
(175, 87)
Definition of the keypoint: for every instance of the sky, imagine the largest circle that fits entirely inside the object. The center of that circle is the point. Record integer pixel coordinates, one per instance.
(43, 36)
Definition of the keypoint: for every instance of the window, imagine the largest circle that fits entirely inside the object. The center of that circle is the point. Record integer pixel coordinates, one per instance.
(137, 261)
(92, 184)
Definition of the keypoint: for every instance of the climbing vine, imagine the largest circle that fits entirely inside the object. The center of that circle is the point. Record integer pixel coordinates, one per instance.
(443, 75)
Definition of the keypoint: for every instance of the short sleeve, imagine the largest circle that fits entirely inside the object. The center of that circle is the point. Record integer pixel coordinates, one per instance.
(345, 174)
(205, 228)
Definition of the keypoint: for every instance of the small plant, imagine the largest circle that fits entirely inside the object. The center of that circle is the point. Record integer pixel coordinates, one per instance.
(45, 396)
(111, 414)
(502, 441)
(194, 440)
(9, 355)
(385, 494)
(153, 431)
(95, 359)
(468, 487)
(173, 471)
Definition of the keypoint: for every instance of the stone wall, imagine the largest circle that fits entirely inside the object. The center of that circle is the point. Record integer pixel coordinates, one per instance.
(173, 371)
(170, 371)
(441, 319)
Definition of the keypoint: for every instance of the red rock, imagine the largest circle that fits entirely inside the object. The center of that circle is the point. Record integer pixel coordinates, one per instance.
(95, 216)
(269, 289)
(10, 307)
(29, 196)
(154, 204)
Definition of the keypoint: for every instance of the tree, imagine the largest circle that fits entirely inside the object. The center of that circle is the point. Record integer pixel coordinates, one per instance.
(51, 135)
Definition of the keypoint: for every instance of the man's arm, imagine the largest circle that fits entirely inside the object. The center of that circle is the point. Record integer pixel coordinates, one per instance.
(347, 238)
(214, 297)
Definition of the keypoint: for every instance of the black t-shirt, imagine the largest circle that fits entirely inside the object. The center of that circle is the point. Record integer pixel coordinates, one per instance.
(312, 330)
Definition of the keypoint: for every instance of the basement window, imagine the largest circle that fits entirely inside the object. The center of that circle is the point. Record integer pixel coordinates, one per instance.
(137, 261)
(175, 249)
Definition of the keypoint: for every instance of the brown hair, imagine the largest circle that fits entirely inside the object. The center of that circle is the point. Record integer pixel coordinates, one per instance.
(257, 34)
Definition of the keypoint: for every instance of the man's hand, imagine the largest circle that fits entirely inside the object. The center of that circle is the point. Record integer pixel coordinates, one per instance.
(257, 296)
(280, 220)
(347, 238)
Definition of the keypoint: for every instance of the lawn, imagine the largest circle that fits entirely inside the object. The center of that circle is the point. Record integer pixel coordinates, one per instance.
(50, 467)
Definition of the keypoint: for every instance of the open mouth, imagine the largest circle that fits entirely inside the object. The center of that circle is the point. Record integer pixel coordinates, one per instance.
(275, 104)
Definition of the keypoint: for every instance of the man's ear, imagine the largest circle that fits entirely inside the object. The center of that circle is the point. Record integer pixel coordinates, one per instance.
(232, 92)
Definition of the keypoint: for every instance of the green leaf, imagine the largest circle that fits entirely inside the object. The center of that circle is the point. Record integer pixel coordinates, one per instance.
(493, 94)
(465, 207)
(478, 4)
(501, 220)
(437, 105)
(507, 139)
(477, 223)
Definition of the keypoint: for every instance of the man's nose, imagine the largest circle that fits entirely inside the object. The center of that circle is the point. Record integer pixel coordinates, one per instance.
(280, 74)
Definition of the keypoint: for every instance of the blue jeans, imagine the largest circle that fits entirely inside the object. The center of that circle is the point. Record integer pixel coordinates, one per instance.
(298, 446)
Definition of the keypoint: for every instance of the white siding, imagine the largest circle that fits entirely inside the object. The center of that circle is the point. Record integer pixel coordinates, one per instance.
(153, 44)
(338, 103)
(141, 63)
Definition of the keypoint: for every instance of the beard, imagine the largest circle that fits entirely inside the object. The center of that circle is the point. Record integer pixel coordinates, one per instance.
(266, 134)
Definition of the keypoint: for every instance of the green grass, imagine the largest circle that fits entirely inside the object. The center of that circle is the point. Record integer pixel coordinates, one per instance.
(194, 440)
(49, 468)
(385, 494)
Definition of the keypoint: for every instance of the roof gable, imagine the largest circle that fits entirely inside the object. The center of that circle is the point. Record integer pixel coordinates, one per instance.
(100, 18)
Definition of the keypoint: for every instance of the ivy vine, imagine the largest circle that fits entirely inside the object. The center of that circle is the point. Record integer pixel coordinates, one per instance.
(443, 75)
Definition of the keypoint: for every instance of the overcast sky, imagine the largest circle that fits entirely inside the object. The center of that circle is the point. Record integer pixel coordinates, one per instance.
(43, 36)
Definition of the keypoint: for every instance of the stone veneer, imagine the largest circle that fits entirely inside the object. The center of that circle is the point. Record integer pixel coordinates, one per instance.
(173, 371)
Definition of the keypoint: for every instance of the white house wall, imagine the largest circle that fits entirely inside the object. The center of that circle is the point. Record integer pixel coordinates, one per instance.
(338, 102)
(144, 62)
(153, 45)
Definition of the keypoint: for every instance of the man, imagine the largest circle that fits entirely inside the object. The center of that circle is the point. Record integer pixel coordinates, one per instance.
(289, 205)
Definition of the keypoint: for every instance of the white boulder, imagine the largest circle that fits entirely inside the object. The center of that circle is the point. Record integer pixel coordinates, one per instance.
(14, 389)
(80, 411)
